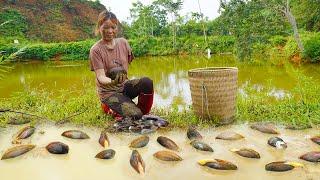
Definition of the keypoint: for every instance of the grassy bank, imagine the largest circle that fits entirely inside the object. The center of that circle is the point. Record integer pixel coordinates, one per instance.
(301, 108)
(285, 47)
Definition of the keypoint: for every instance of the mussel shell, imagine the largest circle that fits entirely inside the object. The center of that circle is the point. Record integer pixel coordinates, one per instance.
(161, 123)
(279, 166)
(313, 156)
(265, 128)
(57, 148)
(167, 156)
(25, 132)
(17, 151)
(248, 153)
(106, 154)
(192, 134)
(104, 140)
(316, 139)
(274, 140)
(139, 142)
(137, 162)
(201, 146)
(116, 70)
(229, 135)
(156, 120)
(167, 143)
(75, 134)
(220, 165)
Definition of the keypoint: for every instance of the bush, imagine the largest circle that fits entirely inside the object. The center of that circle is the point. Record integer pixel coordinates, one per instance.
(278, 40)
(42, 51)
(311, 42)
(312, 49)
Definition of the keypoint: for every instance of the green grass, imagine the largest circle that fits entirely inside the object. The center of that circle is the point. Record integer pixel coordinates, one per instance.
(300, 109)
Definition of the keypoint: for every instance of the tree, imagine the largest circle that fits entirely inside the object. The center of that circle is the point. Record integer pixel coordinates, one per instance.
(251, 22)
(173, 9)
(307, 13)
(284, 7)
(147, 20)
(203, 25)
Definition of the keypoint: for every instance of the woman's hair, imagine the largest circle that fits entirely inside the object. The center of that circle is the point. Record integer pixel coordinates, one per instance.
(104, 16)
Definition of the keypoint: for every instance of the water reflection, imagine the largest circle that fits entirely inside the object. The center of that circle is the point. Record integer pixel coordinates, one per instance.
(169, 75)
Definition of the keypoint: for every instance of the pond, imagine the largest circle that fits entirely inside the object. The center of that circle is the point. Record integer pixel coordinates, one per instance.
(170, 76)
(80, 163)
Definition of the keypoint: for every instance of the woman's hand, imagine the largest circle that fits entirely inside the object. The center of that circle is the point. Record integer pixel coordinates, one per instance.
(120, 78)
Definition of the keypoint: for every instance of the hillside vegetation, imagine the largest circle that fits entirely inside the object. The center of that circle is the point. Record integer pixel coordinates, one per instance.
(48, 20)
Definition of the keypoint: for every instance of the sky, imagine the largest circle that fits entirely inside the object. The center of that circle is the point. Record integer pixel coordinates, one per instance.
(122, 7)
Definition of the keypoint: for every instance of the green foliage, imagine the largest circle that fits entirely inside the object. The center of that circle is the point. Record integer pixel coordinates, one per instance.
(278, 40)
(307, 14)
(13, 23)
(312, 48)
(291, 48)
(251, 22)
(65, 51)
(311, 42)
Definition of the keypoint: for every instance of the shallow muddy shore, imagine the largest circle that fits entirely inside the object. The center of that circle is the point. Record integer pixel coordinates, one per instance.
(80, 163)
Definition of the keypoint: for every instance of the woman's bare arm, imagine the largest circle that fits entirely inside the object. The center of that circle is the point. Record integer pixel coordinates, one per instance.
(101, 76)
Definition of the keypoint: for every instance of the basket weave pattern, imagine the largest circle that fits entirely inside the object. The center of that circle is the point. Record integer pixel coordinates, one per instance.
(213, 92)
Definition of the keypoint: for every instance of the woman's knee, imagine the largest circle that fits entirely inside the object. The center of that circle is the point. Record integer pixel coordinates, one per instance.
(147, 85)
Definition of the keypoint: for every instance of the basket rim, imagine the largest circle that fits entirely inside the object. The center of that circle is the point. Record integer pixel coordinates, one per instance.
(212, 69)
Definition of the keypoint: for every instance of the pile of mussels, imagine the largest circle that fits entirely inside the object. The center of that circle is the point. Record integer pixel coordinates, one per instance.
(147, 124)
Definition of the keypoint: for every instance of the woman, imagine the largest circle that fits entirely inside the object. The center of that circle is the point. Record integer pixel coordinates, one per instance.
(109, 59)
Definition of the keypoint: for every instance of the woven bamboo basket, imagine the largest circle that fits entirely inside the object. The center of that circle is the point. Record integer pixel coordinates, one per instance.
(213, 92)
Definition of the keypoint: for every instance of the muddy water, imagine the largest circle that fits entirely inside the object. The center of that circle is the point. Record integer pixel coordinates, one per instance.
(80, 162)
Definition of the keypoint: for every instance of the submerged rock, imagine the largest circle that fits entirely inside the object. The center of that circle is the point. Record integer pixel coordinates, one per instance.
(104, 140)
(57, 148)
(265, 128)
(106, 154)
(75, 134)
(313, 156)
(201, 146)
(229, 135)
(316, 139)
(277, 143)
(193, 134)
(167, 143)
(218, 164)
(139, 142)
(137, 162)
(282, 166)
(17, 151)
(248, 153)
(167, 156)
